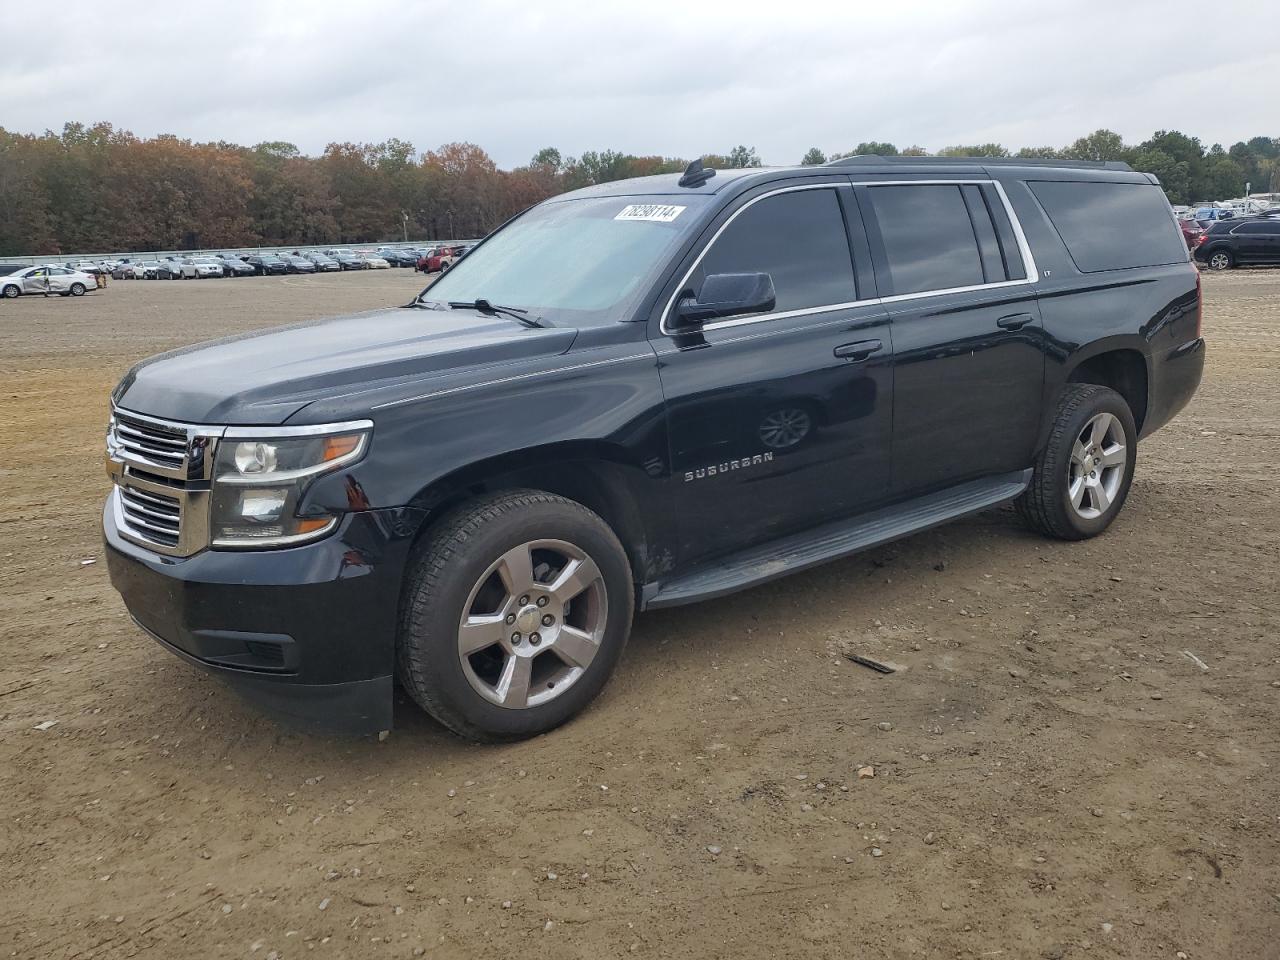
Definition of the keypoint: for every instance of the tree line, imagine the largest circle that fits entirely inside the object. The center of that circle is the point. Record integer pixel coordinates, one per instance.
(96, 188)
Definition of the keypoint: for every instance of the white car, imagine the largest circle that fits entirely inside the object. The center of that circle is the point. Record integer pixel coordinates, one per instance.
(47, 279)
(194, 268)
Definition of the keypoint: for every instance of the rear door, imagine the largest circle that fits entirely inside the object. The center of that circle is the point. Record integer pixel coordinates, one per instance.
(1258, 241)
(781, 420)
(956, 275)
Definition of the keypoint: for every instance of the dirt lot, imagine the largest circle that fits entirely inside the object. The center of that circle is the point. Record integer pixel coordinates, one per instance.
(1053, 776)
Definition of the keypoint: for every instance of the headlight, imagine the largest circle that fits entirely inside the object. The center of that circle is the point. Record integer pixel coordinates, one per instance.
(259, 480)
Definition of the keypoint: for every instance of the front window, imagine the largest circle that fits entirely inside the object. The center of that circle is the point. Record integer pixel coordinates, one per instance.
(798, 238)
(573, 262)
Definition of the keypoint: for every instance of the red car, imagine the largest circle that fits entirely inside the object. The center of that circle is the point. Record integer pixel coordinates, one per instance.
(440, 258)
(1192, 233)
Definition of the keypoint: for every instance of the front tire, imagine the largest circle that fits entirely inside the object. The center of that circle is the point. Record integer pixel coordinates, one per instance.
(1083, 475)
(515, 611)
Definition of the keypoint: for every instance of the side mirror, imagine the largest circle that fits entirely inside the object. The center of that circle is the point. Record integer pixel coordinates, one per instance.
(727, 295)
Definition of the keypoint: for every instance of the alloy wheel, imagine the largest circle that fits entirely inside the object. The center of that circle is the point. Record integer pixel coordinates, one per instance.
(1098, 461)
(1220, 261)
(532, 624)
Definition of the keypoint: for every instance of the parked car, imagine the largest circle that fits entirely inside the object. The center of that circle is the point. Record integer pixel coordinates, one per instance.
(624, 399)
(233, 266)
(441, 259)
(169, 269)
(396, 257)
(49, 278)
(126, 270)
(347, 260)
(85, 266)
(373, 261)
(297, 264)
(1191, 232)
(1240, 242)
(150, 269)
(200, 268)
(267, 264)
(323, 264)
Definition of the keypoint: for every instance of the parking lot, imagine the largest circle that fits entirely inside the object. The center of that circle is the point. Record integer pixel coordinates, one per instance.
(1077, 757)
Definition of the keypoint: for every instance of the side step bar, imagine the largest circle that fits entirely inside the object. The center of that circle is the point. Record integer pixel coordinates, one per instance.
(800, 551)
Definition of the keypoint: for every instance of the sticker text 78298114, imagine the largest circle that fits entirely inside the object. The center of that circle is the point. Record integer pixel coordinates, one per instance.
(656, 212)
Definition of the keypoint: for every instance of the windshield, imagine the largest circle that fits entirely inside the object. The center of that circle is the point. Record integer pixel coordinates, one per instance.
(574, 262)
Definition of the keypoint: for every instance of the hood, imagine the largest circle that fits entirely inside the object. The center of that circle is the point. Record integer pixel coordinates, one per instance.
(264, 378)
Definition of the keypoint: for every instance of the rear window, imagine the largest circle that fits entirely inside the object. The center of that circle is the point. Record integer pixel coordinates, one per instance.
(1112, 226)
(929, 239)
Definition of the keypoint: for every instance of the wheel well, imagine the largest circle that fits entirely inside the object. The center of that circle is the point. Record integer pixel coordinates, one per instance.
(1124, 371)
(599, 486)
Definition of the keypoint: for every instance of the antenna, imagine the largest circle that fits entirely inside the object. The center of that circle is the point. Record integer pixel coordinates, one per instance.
(695, 175)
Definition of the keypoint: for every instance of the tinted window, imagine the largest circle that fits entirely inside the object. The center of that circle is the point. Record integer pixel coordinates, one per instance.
(1111, 226)
(1261, 227)
(928, 237)
(798, 238)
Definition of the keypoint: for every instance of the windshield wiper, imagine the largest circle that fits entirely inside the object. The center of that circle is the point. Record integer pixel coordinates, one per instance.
(484, 306)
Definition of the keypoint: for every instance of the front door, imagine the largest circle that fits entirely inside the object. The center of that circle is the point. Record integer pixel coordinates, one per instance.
(781, 420)
(968, 340)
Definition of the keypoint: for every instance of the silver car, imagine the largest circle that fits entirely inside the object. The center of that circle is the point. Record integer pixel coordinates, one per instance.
(47, 279)
(193, 268)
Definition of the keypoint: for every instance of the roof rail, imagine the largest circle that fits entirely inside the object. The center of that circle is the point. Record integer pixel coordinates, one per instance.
(870, 158)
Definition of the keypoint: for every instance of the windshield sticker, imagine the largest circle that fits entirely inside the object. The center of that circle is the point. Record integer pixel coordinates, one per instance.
(656, 212)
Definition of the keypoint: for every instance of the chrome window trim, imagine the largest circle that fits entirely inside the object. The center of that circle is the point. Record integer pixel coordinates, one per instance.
(1020, 237)
(834, 184)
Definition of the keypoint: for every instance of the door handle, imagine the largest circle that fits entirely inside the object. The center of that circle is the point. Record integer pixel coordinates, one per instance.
(1015, 322)
(858, 351)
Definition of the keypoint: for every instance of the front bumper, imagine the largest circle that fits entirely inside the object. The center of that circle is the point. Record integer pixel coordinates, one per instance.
(308, 633)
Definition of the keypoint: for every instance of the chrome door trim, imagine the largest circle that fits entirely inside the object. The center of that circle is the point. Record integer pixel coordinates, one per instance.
(1020, 237)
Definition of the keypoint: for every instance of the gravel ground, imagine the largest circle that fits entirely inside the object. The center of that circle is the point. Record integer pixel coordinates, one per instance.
(1054, 775)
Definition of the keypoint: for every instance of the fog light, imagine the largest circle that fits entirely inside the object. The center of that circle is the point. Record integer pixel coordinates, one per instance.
(262, 506)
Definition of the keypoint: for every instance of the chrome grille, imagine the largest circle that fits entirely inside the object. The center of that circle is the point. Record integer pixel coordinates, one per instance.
(163, 476)
(151, 443)
(152, 516)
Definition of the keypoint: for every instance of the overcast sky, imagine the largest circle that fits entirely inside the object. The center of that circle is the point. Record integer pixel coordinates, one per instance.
(678, 79)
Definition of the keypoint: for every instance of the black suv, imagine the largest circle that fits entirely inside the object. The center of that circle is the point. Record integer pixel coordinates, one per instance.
(642, 394)
(1231, 243)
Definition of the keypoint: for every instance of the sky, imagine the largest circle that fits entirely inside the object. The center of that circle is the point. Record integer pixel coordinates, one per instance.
(671, 78)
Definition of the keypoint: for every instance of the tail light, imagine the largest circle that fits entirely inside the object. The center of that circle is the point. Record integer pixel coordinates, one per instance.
(1199, 305)
(1201, 238)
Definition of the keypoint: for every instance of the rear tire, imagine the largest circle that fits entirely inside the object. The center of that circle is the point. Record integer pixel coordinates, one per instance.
(1221, 260)
(77, 289)
(1083, 475)
(491, 569)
